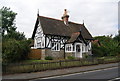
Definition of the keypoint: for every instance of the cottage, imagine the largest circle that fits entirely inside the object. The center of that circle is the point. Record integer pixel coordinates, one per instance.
(61, 38)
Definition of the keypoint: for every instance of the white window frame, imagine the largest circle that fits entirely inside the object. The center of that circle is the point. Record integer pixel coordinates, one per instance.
(56, 46)
(68, 48)
(39, 42)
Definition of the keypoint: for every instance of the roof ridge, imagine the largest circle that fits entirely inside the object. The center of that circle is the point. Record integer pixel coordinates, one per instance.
(60, 20)
(75, 23)
(51, 18)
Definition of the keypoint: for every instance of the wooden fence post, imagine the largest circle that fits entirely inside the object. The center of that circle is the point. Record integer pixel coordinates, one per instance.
(60, 63)
(34, 68)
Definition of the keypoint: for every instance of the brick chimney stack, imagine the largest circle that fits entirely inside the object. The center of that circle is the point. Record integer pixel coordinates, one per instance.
(65, 17)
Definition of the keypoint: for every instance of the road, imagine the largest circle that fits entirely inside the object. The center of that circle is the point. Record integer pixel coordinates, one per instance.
(109, 73)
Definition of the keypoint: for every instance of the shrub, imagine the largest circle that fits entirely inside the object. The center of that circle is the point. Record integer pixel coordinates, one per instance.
(48, 58)
(100, 51)
(86, 56)
(14, 50)
(70, 57)
(108, 46)
(97, 51)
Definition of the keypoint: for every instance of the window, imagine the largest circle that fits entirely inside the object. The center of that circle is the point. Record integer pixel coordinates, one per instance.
(69, 48)
(55, 46)
(39, 44)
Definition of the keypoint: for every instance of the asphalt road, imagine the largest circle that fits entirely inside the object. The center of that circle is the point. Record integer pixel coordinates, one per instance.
(109, 73)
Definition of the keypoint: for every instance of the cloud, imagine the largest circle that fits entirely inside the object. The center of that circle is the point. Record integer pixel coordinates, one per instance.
(100, 16)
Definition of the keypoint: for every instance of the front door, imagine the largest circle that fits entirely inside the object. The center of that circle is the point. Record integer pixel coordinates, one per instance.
(78, 50)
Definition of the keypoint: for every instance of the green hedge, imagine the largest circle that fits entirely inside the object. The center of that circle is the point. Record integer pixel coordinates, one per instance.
(14, 50)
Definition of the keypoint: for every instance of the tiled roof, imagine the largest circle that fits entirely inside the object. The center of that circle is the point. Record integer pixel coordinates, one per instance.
(57, 27)
(74, 36)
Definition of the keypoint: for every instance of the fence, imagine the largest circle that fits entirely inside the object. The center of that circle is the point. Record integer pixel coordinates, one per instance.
(35, 54)
(41, 66)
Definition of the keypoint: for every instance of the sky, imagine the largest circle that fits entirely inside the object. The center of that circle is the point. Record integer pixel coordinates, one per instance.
(100, 16)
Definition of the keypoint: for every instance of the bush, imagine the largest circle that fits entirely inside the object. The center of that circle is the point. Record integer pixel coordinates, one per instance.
(14, 50)
(48, 58)
(70, 57)
(86, 55)
(97, 51)
(108, 46)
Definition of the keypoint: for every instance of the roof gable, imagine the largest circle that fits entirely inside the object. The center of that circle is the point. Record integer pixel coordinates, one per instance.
(77, 36)
(74, 37)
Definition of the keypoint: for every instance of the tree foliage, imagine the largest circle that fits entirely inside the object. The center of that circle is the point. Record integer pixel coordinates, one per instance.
(117, 37)
(15, 46)
(15, 35)
(109, 46)
(8, 20)
(9, 26)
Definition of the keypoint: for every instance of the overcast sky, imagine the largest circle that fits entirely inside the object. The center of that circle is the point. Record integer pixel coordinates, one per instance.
(100, 16)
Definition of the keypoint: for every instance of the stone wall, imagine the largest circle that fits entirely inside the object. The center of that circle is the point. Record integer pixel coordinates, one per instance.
(69, 54)
(58, 54)
(55, 54)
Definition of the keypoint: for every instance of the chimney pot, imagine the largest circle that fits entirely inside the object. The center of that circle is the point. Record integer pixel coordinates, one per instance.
(65, 17)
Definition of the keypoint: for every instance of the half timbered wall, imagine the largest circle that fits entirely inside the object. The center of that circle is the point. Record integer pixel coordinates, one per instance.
(39, 39)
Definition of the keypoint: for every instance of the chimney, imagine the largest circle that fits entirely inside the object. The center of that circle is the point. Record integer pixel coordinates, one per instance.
(65, 17)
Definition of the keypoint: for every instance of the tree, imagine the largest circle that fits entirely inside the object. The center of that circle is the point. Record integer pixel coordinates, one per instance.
(8, 20)
(117, 37)
(15, 35)
(109, 46)
(15, 46)
(8, 25)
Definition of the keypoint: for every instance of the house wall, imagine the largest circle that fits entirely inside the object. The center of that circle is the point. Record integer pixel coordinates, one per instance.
(69, 54)
(90, 48)
(55, 54)
(86, 50)
(39, 39)
(89, 52)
